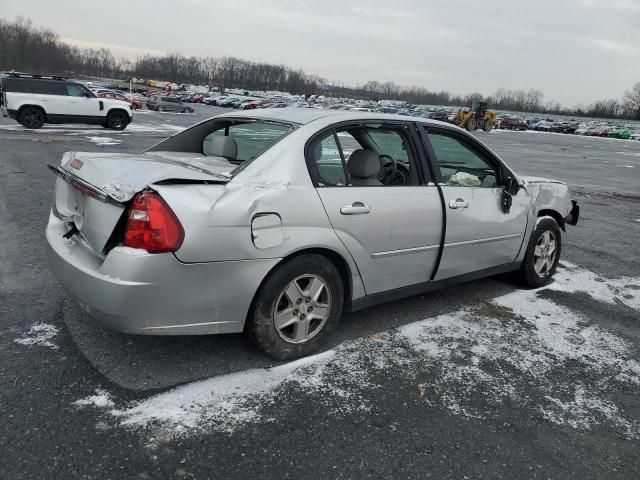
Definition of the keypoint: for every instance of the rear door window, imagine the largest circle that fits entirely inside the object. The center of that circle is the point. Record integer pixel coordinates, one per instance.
(329, 165)
(390, 142)
(384, 149)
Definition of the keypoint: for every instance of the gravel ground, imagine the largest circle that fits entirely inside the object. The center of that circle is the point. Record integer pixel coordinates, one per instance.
(476, 381)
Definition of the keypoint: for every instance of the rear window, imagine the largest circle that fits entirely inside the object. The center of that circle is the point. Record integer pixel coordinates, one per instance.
(252, 138)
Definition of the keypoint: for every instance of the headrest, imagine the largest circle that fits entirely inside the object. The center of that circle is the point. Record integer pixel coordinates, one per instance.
(363, 164)
(224, 147)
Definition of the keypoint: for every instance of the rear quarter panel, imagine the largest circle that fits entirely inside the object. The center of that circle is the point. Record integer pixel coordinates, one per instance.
(217, 218)
(16, 100)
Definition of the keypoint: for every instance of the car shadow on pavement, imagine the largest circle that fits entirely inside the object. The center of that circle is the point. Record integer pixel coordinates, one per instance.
(141, 363)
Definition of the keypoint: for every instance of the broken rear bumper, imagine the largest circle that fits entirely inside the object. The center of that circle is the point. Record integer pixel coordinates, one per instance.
(154, 294)
(572, 218)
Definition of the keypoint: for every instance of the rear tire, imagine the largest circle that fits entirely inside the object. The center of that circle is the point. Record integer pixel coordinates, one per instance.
(543, 254)
(160, 108)
(297, 307)
(32, 117)
(117, 120)
(488, 125)
(471, 124)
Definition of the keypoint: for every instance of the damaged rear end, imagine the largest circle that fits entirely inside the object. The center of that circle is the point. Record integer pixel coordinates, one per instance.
(111, 238)
(93, 192)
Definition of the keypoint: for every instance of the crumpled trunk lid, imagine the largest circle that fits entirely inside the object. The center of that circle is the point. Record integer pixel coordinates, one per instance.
(93, 189)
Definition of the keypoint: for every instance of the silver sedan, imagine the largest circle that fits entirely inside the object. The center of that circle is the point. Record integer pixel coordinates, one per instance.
(274, 222)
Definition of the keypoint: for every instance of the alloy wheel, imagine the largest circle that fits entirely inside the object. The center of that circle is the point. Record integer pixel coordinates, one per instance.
(33, 119)
(544, 254)
(117, 119)
(302, 309)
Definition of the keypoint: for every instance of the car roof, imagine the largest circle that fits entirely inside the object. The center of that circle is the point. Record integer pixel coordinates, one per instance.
(307, 115)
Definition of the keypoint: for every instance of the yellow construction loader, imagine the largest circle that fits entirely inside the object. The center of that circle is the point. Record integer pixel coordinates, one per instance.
(476, 117)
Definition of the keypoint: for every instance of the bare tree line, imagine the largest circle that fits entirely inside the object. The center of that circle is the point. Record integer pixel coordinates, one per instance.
(25, 47)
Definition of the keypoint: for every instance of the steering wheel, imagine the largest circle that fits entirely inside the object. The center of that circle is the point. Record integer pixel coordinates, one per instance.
(388, 168)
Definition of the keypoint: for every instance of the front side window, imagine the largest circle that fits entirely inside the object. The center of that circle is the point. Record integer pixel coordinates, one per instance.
(251, 138)
(74, 90)
(459, 165)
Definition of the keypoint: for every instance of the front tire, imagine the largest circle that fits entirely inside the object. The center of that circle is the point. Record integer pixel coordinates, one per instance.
(471, 124)
(543, 254)
(117, 120)
(297, 307)
(32, 117)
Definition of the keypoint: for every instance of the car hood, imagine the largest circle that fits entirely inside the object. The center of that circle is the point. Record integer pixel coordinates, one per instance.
(112, 102)
(531, 179)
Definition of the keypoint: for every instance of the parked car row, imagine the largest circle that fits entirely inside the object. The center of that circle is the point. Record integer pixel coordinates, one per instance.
(245, 100)
(590, 128)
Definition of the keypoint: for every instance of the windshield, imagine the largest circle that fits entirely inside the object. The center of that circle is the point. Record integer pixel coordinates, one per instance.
(251, 138)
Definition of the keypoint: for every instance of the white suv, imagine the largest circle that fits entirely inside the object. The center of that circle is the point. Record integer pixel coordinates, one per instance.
(34, 100)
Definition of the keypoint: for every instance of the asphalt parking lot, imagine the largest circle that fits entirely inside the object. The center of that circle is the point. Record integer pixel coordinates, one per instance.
(482, 380)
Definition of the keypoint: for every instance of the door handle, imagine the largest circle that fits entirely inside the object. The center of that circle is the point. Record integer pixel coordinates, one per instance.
(356, 208)
(458, 203)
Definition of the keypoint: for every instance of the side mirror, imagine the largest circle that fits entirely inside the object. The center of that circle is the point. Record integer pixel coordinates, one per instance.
(512, 186)
(510, 189)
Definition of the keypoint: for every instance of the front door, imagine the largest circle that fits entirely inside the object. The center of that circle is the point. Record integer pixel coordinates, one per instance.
(479, 233)
(82, 103)
(389, 220)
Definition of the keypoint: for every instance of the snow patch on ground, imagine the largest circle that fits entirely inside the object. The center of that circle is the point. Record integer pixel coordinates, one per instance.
(571, 278)
(146, 128)
(104, 140)
(102, 399)
(39, 334)
(75, 130)
(520, 349)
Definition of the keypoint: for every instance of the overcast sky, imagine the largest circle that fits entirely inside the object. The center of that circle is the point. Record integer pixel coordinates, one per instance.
(575, 51)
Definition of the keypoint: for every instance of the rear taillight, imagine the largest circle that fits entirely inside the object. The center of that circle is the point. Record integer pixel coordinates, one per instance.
(152, 225)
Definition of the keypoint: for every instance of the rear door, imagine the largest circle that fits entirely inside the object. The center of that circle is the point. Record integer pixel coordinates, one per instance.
(479, 233)
(392, 231)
